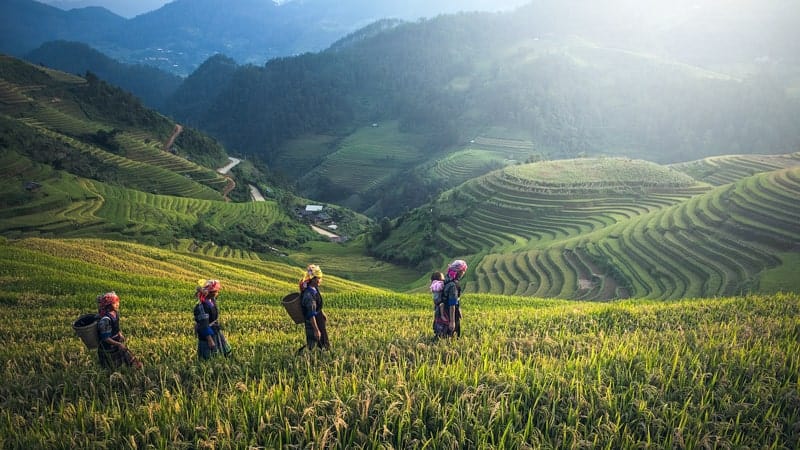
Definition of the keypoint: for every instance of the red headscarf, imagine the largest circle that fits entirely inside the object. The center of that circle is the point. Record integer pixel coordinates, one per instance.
(209, 289)
(106, 302)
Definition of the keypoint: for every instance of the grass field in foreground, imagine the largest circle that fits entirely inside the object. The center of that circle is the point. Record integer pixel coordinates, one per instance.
(528, 373)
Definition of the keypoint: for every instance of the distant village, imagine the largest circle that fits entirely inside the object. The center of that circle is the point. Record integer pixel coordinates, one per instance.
(320, 221)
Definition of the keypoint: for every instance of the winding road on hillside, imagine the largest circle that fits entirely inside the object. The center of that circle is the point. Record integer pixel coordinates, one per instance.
(256, 194)
(233, 162)
(175, 133)
(224, 171)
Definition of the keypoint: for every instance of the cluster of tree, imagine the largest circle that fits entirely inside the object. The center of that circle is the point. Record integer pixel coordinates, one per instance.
(151, 85)
(200, 148)
(107, 103)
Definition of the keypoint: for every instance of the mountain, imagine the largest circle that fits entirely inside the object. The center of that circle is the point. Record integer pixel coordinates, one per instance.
(383, 105)
(27, 24)
(182, 34)
(210, 79)
(124, 8)
(81, 158)
(151, 85)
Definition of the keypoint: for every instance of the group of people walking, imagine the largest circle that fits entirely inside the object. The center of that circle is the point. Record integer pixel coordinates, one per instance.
(112, 351)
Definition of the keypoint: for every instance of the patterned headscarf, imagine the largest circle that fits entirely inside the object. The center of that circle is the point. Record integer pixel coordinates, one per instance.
(312, 271)
(455, 268)
(106, 302)
(207, 288)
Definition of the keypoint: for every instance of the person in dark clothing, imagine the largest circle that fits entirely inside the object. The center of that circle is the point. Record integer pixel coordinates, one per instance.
(210, 339)
(452, 296)
(112, 351)
(441, 321)
(311, 301)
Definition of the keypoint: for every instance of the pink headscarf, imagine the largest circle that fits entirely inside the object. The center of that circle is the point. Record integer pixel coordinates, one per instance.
(106, 301)
(455, 268)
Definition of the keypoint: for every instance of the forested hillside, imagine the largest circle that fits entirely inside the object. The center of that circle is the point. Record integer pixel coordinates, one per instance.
(151, 85)
(456, 79)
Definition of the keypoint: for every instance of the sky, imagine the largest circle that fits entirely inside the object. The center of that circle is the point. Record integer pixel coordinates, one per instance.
(124, 8)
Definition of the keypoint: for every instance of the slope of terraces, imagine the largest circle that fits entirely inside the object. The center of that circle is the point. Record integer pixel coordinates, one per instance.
(717, 243)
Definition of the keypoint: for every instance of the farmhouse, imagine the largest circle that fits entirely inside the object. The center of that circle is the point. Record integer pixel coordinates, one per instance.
(32, 186)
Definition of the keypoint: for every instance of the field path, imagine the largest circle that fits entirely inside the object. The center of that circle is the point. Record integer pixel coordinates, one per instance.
(256, 194)
(324, 232)
(233, 162)
(171, 140)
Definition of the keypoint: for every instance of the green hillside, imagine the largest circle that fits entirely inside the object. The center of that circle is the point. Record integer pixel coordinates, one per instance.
(83, 124)
(63, 205)
(609, 228)
(528, 373)
(719, 170)
(534, 205)
(714, 244)
(80, 158)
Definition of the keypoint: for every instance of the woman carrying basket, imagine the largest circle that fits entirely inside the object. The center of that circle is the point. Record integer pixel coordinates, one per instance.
(210, 339)
(112, 351)
(311, 302)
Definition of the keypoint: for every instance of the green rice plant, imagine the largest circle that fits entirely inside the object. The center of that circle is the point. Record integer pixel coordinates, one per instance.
(527, 373)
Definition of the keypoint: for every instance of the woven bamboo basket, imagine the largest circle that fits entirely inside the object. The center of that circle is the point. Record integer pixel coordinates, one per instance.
(86, 329)
(292, 304)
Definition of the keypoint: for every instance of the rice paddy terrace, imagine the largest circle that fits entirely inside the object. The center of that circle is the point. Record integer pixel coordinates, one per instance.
(47, 106)
(482, 155)
(66, 266)
(719, 170)
(368, 158)
(713, 244)
(528, 373)
(534, 205)
(65, 205)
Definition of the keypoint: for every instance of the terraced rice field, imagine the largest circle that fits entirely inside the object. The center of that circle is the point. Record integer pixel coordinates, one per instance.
(527, 373)
(510, 209)
(142, 175)
(713, 244)
(719, 170)
(368, 158)
(65, 205)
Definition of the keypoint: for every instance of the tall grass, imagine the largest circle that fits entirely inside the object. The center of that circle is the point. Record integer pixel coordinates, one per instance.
(528, 373)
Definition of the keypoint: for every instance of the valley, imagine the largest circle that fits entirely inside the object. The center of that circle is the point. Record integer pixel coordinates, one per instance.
(622, 180)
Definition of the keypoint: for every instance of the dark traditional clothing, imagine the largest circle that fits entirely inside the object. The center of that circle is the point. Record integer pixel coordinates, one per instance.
(206, 318)
(110, 355)
(450, 297)
(311, 301)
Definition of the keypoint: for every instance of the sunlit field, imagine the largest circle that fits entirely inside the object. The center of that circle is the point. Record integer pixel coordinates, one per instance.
(528, 373)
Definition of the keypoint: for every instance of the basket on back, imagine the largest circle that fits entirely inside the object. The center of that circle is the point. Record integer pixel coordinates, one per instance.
(86, 329)
(292, 304)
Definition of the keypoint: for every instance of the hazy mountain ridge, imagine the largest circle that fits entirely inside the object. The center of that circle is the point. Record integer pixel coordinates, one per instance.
(182, 34)
(151, 85)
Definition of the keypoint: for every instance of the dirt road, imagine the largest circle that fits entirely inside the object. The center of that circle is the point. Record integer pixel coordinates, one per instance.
(256, 194)
(177, 131)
